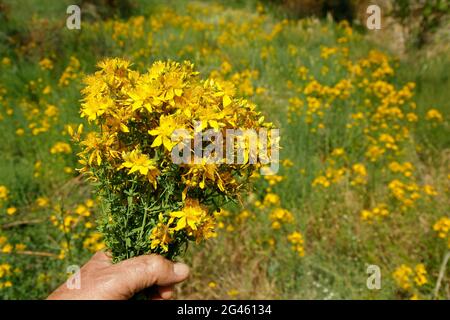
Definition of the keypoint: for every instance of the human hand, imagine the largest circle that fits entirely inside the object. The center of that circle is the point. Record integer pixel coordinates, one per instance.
(103, 280)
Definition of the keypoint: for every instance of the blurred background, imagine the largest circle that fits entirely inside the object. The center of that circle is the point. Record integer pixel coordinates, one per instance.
(365, 160)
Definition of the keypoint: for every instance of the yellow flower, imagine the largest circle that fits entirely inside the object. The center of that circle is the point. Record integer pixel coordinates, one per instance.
(402, 276)
(200, 174)
(377, 212)
(94, 242)
(435, 115)
(20, 246)
(6, 61)
(296, 239)
(3, 193)
(206, 228)
(429, 190)
(279, 216)
(11, 210)
(7, 248)
(61, 147)
(273, 179)
(338, 152)
(360, 173)
(286, 163)
(161, 234)
(136, 161)
(163, 133)
(233, 293)
(412, 117)
(20, 132)
(94, 108)
(42, 202)
(442, 227)
(47, 90)
(421, 275)
(271, 199)
(321, 180)
(189, 217)
(46, 64)
(374, 152)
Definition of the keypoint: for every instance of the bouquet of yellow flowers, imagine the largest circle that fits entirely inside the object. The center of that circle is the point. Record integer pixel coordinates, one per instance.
(159, 180)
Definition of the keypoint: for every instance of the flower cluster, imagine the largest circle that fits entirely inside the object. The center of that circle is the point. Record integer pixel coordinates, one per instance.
(377, 212)
(442, 228)
(152, 202)
(410, 279)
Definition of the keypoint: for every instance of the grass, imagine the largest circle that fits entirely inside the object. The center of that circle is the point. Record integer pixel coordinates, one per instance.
(249, 259)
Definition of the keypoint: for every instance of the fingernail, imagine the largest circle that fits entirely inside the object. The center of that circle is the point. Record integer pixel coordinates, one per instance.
(181, 269)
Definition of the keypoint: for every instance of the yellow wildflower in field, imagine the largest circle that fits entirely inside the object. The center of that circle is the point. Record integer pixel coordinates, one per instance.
(407, 278)
(337, 152)
(11, 211)
(273, 179)
(402, 276)
(60, 147)
(233, 293)
(42, 202)
(442, 227)
(280, 216)
(82, 210)
(321, 180)
(360, 174)
(94, 242)
(406, 168)
(4, 193)
(406, 193)
(380, 211)
(7, 248)
(434, 115)
(70, 73)
(326, 52)
(20, 246)
(20, 132)
(429, 190)
(287, 163)
(296, 239)
(6, 61)
(420, 277)
(46, 64)
(374, 152)
(271, 199)
(5, 274)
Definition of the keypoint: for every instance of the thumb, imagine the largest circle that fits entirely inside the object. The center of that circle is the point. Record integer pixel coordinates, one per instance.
(139, 273)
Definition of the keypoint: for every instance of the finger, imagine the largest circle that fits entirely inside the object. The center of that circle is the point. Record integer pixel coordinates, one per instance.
(166, 292)
(145, 271)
